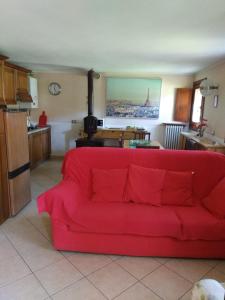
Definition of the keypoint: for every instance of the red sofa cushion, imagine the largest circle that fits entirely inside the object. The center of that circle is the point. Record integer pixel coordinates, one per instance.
(177, 188)
(78, 163)
(126, 218)
(215, 201)
(109, 185)
(145, 185)
(199, 224)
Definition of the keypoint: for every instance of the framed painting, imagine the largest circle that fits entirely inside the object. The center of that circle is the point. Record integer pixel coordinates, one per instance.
(133, 97)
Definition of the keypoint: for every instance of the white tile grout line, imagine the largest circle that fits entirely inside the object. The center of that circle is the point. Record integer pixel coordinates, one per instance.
(140, 280)
(27, 266)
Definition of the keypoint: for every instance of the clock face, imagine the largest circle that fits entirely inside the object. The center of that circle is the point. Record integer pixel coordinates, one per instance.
(54, 88)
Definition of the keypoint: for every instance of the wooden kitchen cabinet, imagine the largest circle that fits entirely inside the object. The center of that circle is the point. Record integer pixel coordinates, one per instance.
(39, 146)
(9, 81)
(183, 104)
(22, 80)
(14, 83)
(22, 86)
(46, 143)
(4, 196)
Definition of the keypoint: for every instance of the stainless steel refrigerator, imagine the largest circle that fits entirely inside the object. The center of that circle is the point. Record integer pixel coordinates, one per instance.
(17, 160)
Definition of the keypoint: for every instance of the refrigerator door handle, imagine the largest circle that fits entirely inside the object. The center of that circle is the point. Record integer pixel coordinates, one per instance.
(18, 171)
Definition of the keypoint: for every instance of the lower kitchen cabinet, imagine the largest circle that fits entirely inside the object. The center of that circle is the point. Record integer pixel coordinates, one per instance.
(39, 146)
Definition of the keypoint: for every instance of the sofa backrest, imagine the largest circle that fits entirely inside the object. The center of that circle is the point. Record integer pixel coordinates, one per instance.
(209, 167)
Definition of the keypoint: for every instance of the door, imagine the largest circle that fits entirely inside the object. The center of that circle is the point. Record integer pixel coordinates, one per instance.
(10, 85)
(183, 104)
(16, 139)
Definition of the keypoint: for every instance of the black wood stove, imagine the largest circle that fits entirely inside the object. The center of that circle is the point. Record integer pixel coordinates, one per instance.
(90, 122)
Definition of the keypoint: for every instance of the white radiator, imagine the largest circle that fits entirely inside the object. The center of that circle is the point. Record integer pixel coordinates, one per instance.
(172, 135)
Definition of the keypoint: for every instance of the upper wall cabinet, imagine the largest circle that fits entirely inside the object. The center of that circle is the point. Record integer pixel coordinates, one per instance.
(9, 85)
(13, 83)
(22, 88)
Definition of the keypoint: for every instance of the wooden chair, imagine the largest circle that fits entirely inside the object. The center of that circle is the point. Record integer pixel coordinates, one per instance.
(142, 135)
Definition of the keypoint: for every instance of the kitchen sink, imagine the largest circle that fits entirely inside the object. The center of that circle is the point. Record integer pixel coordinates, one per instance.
(207, 141)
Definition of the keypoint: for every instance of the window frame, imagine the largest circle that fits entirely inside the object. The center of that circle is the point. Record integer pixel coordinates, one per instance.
(196, 85)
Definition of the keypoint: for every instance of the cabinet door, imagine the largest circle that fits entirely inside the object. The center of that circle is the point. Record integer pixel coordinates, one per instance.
(10, 85)
(22, 87)
(36, 148)
(46, 143)
(1, 83)
(22, 80)
(183, 104)
(30, 149)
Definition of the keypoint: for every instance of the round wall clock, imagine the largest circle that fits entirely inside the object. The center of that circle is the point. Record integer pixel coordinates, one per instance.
(54, 88)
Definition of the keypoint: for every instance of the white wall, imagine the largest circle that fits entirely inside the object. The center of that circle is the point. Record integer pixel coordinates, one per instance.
(215, 116)
(71, 104)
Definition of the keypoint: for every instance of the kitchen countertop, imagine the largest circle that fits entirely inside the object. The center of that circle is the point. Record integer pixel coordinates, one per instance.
(37, 130)
(207, 141)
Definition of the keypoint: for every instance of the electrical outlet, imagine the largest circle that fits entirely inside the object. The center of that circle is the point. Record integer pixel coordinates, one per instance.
(74, 121)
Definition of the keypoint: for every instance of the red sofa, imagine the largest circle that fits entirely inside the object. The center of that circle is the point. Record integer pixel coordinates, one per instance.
(80, 224)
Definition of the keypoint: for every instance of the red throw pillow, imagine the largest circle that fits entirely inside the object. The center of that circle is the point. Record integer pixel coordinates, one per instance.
(177, 188)
(145, 185)
(109, 185)
(215, 201)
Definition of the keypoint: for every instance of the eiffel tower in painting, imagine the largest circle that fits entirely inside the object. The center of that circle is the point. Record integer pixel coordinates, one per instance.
(147, 102)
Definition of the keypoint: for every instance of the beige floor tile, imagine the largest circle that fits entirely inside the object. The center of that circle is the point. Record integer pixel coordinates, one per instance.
(167, 284)
(6, 248)
(41, 222)
(186, 296)
(88, 263)
(215, 274)
(11, 269)
(191, 269)
(81, 290)
(138, 292)
(212, 262)
(221, 266)
(35, 249)
(114, 256)
(112, 280)
(162, 260)
(20, 231)
(41, 257)
(58, 276)
(138, 266)
(36, 189)
(26, 288)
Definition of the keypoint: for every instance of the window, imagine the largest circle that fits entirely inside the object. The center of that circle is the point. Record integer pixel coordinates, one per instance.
(197, 107)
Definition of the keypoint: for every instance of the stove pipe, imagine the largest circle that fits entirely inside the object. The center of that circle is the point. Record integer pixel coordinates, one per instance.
(90, 122)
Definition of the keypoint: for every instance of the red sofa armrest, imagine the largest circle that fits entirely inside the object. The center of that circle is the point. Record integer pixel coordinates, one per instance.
(61, 201)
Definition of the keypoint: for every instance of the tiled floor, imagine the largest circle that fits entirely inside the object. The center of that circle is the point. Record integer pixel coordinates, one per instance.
(31, 269)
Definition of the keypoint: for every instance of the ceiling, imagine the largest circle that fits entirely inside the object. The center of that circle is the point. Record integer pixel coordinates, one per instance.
(157, 36)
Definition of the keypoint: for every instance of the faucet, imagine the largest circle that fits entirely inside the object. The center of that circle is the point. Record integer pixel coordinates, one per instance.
(201, 127)
(201, 131)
